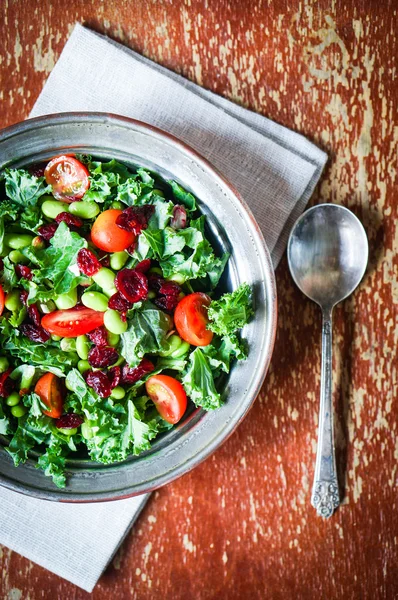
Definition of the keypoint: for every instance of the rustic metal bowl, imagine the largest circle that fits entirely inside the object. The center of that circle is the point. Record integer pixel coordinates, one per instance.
(231, 227)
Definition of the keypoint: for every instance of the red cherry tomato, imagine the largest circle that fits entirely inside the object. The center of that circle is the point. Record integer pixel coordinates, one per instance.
(108, 236)
(191, 319)
(2, 300)
(72, 322)
(68, 178)
(50, 390)
(168, 396)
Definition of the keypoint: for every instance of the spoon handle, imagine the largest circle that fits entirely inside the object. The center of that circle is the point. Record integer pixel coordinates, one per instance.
(325, 491)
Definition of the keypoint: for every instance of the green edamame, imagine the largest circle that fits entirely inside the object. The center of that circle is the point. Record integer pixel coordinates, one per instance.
(68, 344)
(52, 208)
(82, 346)
(68, 385)
(180, 279)
(18, 411)
(67, 300)
(110, 292)
(118, 205)
(86, 431)
(118, 393)
(56, 338)
(118, 260)
(156, 271)
(113, 339)
(67, 431)
(113, 322)
(47, 307)
(4, 364)
(180, 351)
(104, 278)
(13, 399)
(16, 241)
(17, 257)
(13, 301)
(84, 209)
(173, 343)
(95, 301)
(83, 366)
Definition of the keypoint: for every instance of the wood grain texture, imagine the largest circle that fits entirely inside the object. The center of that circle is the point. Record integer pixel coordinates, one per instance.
(241, 526)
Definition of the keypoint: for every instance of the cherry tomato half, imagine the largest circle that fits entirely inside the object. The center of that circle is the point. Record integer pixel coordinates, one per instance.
(168, 396)
(50, 390)
(108, 236)
(191, 319)
(2, 300)
(68, 178)
(72, 322)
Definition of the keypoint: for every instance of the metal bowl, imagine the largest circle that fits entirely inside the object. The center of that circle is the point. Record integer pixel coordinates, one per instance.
(231, 226)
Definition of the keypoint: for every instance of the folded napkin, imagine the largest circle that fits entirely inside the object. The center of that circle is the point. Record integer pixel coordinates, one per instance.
(273, 168)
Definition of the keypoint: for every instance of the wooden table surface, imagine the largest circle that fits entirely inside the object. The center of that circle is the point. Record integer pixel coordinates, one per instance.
(241, 525)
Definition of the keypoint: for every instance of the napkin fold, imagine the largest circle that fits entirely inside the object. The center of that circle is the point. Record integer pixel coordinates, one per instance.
(273, 168)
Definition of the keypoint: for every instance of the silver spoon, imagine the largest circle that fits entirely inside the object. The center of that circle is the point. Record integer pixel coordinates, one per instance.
(327, 253)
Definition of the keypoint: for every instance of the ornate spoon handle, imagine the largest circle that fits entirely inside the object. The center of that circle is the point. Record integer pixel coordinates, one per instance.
(325, 491)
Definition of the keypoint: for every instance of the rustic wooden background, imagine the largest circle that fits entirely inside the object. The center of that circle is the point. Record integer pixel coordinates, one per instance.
(241, 526)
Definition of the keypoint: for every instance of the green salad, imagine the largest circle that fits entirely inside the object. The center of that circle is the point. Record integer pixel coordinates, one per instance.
(112, 325)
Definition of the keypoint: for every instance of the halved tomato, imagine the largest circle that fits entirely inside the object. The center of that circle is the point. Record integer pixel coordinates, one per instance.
(50, 390)
(68, 178)
(168, 396)
(108, 236)
(2, 300)
(191, 319)
(72, 322)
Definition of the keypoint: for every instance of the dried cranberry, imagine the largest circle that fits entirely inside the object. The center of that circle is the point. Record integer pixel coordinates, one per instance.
(155, 281)
(114, 375)
(143, 266)
(132, 248)
(87, 262)
(33, 313)
(169, 288)
(118, 302)
(6, 383)
(24, 297)
(36, 333)
(132, 375)
(166, 303)
(132, 284)
(23, 272)
(48, 231)
(102, 356)
(179, 218)
(65, 217)
(98, 336)
(135, 218)
(100, 383)
(1, 264)
(69, 421)
(37, 170)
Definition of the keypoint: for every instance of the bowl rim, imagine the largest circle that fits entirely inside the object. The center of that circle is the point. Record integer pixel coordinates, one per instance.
(266, 351)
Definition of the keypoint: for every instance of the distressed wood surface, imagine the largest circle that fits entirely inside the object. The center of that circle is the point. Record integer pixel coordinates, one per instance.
(241, 526)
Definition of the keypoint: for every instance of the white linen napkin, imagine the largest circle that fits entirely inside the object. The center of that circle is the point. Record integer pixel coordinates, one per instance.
(273, 168)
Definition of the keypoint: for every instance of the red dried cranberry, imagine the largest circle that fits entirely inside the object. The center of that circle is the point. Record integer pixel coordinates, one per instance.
(1, 264)
(132, 248)
(65, 217)
(6, 383)
(143, 266)
(69, 421)
(117, 302)
(37, 170)
(132, 375)
(169, 288)
(166, 303)
(114, 375)
(24, 297)
(100, 383)
(98, 336)
(36, 333)
(102, 356)
(155, 281)
(87, 262)
(23, 272)
(48, 231)
(179, 218)
(132, 284)
(135, 218)
(33, 313)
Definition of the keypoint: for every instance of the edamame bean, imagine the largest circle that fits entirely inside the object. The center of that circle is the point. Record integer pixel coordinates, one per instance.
(56, 338)
(53, 208)
(68, 385)
(83, 366)
(113, 339)
(86, 431)
(17, 257)
(13, 301)
(67, 300)
(4, 364)
(110, 292)
(16, 241)
(95, 301)
(118, 260)
(68, 431)
(13, 399)
(156, 271)
(84, 209)
(173, 343)
(38, 243)
(47, 307)
(118, 393)
(18, 411)
(151, 295)
(159, 192)
(180, 279)
(180, 351)
(104, 278)
(68, 344)
(113, 322)
(82, 346)
(118, 205)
